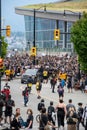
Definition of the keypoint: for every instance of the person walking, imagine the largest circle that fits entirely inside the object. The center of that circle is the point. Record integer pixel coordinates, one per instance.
(70, 105)
(41, 105)
(80, 113)
(72, 119)
(53, 83)
(60, 92)
(45, 75)
(69, 84)
(25, 93)
(84, 117)
(38, 88)
(44, 122)
(29, 84)
(51, 114)
(82, 84)
(9, 104)
(61, 112)
(6, 91)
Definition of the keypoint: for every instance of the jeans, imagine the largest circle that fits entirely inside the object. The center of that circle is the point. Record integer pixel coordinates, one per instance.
(25, 100)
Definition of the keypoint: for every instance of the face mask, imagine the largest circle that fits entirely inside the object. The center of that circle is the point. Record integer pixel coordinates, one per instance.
(28, 112)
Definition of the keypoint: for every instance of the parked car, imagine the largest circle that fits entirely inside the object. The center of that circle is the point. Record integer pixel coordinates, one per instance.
(29, 73)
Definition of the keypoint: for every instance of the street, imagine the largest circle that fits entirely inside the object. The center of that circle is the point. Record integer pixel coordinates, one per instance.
(46, 93)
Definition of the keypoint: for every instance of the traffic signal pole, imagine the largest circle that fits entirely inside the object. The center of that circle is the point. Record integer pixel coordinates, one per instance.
(0, 41)
(34, 36)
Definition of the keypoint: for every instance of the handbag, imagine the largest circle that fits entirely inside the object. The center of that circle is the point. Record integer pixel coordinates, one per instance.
(47, 127)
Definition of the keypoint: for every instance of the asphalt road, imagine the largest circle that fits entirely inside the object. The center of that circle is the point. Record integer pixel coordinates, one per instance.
(46, 93)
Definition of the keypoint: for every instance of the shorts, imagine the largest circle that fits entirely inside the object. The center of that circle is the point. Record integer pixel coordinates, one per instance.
(45, 77)
(8, 113)
(38, 89)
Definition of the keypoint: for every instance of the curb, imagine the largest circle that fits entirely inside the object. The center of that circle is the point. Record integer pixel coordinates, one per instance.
(3, 79)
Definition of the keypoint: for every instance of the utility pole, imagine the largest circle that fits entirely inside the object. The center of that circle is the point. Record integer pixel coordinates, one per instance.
(34, 44)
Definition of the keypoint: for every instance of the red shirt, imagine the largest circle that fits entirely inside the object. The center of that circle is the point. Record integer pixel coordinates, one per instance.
(6, 92)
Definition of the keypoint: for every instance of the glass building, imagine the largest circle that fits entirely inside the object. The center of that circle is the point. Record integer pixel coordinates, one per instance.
(45, 24)
(44, 32)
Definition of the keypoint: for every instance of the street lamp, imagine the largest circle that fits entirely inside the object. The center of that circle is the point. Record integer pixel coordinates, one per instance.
(72, 13)
(28, 44)
(34, 43)
(79, 16)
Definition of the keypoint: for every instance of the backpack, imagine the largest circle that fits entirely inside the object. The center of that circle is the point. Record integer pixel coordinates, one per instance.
(80, 112)
(49, 111)
(40, 105)
(60, 91)
(23, 92)
(85, 112)
(72, 117)
(71, 108)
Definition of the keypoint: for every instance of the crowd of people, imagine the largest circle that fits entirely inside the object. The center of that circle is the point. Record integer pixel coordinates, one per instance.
(74, 117)
(63, 70)
(66, 67)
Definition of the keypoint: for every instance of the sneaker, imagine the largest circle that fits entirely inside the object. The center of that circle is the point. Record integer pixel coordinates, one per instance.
(39, 97)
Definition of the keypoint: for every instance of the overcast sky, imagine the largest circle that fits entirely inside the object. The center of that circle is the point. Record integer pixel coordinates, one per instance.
(8, 12)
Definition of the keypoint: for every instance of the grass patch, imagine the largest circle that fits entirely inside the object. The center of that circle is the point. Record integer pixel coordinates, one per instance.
(76, 5)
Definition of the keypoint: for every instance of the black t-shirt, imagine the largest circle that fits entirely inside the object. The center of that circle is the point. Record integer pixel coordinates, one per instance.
(43, 121)
(30, 118)
(16, 124)
(50, 110)
(40, 106)
(9, 104)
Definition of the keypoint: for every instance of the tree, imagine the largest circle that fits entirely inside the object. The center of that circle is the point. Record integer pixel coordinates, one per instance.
(3, 52)
(79, 39)
(3, 47)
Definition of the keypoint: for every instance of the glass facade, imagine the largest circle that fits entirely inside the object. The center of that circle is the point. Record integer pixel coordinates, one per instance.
(44, 32)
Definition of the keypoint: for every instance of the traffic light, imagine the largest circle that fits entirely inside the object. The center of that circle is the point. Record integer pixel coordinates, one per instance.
(1, 63)
(56, 34)
(8, 30)
(33, 51)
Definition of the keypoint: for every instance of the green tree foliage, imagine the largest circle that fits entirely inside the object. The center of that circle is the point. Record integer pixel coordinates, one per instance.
(3, 52)
(3, 47)
(79, 39)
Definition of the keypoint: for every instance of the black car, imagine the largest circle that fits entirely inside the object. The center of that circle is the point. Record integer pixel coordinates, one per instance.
(29, 73)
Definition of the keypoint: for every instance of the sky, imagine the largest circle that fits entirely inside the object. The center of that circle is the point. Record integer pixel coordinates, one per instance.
(11, 18)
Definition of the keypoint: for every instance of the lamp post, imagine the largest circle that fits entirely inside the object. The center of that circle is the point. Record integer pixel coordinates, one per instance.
(72, 12)
(79, 16)
(28, 45)
(34, 43)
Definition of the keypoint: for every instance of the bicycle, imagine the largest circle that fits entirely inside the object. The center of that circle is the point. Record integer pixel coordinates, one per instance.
(38, 118)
